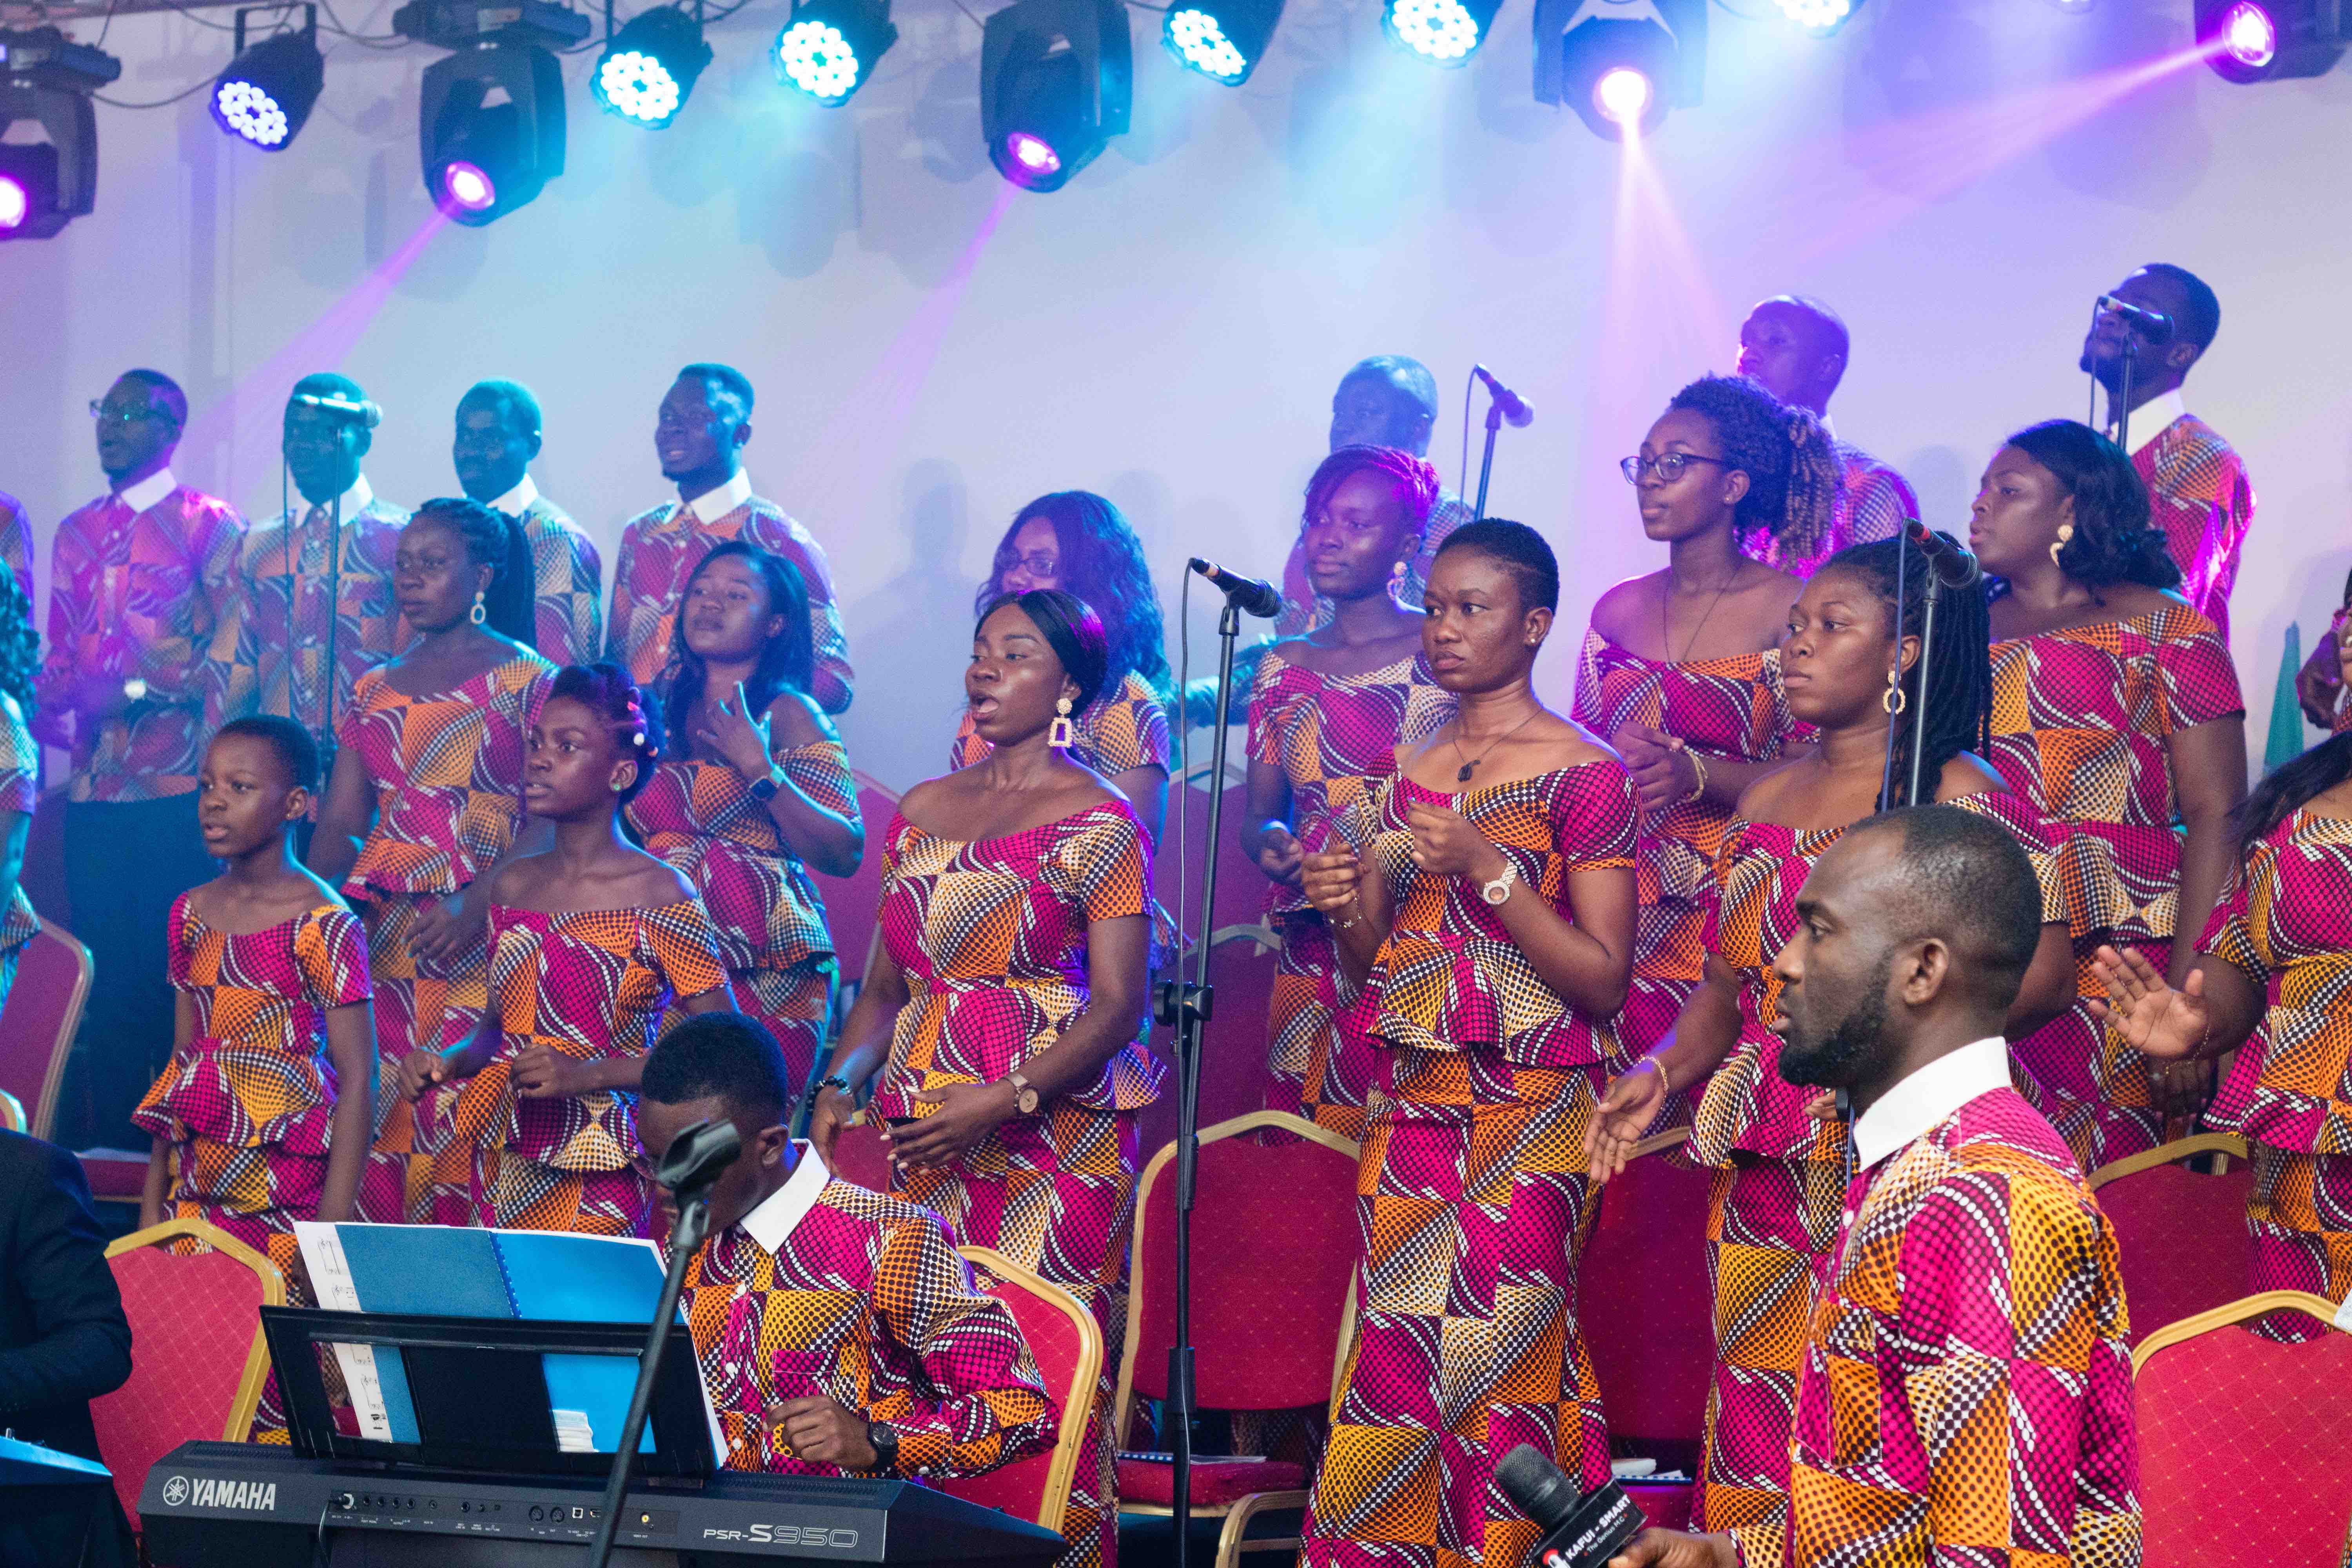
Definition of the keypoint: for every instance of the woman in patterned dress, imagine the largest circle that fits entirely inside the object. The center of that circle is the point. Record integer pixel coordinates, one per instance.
(424, 797)
(1681, 667)
(591, 940)
(264, 1115)
(1482, 903)
(1775, 1205)
(2116, 710)
(20, 773)
(1004, 1010)
(1326, 713)
(759, 792)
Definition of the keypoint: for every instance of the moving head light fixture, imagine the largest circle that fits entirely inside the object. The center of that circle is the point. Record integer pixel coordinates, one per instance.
(48, 77)
(489, 121)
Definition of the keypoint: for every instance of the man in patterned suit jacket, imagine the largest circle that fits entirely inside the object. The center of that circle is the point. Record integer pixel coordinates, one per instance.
(498, 435)
(1966, 1392)
(838, 1329)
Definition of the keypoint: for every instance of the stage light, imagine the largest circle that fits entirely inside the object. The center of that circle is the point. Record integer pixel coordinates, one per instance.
(1443, 32)
(1222, 39)
(493, 111)
(2249, 36)
(266, 94)
(1819, 17)
(2279, 40)
(829, 48)
(47, 77)
(1057, 82)
(1620, 63)
(648, 67)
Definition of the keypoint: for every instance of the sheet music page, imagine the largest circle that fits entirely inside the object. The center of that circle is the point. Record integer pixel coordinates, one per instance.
(330, 1279)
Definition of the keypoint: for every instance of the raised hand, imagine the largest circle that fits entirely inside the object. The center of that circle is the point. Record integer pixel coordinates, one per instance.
(732, 733)
(2152, 1017)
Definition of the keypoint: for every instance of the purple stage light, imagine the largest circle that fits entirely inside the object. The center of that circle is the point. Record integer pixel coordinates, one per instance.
(15, 203)
(2249, 35)
(467, 187)
(1624, 95)
(1034, 154)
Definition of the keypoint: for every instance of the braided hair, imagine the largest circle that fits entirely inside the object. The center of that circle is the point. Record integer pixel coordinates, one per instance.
(20, 646)
(1793, 477)
(493, 539)
(2115, 540)
(606, 690)
(1955, 679)
(787, 661)
(1102, 563)
(1416, 481)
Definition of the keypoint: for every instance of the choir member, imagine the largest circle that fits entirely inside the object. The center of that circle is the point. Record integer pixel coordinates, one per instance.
(699, 435)
(262, 1119)
(16, 543)
(424, 797)
(1851, 660)
(1681, 668)
(1482, 901)
(20, 773)
(1326, 712)
(756, 792)
(1964, 1392)
(498, 435)
(139, 588)
(838, 1329)
(1003, 1010)
(1797, 349)
(2116, 710)
(591, 941)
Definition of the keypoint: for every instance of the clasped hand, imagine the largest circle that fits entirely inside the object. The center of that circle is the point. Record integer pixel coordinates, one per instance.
(1663, 771)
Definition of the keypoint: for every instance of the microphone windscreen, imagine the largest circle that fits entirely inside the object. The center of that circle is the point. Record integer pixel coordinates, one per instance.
(1537, 1486)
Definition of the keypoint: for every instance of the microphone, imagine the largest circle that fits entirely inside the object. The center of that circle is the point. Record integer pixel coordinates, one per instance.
(368, 414)
(1953, 566)
(1517, 410)
(1580, 1530)
(1247, 594)
(2155, 323)
(697, 1156)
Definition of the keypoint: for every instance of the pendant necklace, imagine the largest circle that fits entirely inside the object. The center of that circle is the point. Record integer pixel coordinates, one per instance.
(1470, 766)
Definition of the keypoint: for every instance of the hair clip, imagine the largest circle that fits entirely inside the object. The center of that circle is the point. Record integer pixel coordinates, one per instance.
(638, 739)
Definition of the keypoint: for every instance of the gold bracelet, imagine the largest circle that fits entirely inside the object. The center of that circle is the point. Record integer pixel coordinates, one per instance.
(1352, 921)
(1699, 766)
(1666, 1084)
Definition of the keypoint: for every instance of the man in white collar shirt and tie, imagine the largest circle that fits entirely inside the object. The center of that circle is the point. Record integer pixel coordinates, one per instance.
(498, 436)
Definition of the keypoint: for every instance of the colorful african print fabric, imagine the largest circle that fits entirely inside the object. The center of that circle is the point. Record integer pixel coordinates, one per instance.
(764, 904)
(2202, 499)
(992, 936)
(275, 652)
(2300, 1217)
(1967, 1394)
(1332, 736)
(2080, 719)
(16, 544)
(591, 984)
(1303, 609)
(20, 792)
(568, 587)
(659, 550)
(448, 771)
(828, 1290)
(136, 594)
(1720, 707)
(1124, 729)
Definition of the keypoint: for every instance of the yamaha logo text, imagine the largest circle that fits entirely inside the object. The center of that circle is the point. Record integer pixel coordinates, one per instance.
(248, 1497)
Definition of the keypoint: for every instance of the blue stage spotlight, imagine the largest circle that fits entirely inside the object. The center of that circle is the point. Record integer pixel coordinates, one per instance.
(266, 94)
(1443, 32)
(1222, 39)
(829, 48)
(1820, 18)
(650, 65)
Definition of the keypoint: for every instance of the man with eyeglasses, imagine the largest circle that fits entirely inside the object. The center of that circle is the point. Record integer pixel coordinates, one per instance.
(497, 437)
(1796, 349)
(139, 585)
(699, 435)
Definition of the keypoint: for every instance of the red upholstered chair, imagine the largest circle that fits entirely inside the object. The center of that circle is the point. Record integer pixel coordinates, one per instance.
(850, 901)
(199, 1360)
(1233, 1080)
(1068, 1344)
(859, 1159)
(2182, 1233)
(1274, 1256)
(2245, 1445)
(37, 1024)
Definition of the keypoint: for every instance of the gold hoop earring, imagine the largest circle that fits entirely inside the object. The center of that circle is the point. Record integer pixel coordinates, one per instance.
(1058, 736)
(1894, 700)
(2065, 534)
(480, 611)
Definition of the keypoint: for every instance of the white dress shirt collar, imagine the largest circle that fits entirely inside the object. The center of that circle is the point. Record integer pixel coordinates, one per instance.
(712, 505)
(517, 502)
(1906, 1112)
(2155, 417)
(778, 1215)
(149, 491)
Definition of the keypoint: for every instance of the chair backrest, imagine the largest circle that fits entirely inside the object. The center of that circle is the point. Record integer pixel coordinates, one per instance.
(199, 1360)
(1241, 885)
(860, 1158)
(1233, 1080)
(1274, 1250)
(850, 901)
(2180, 1234)
(11, 1112)
(2245, 1444)
(1644, 1304)
(38, 1023)
(1068, 1345)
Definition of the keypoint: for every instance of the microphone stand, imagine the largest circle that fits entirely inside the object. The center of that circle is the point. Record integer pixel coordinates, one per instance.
(694, 1161)
(1486, 464)
(1919, 693)
(2124, 404)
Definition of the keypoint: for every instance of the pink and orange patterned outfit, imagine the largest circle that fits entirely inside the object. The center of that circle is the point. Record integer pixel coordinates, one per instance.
(447, 770)
(289, 592)
(2080, 720)
(16, 543)
(2202, 497)
(20, 792)
(1472, 1197)
(1334, 737)
(2285, 923)
(991, 937)
(827, 1289)
(764, 905)
(1721, 707)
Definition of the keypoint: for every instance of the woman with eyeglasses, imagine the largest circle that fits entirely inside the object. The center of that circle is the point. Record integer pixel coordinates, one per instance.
(1681, 667)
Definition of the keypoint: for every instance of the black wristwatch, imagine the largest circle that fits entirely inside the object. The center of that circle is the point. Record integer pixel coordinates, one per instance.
(885, 1444)
(763, 789)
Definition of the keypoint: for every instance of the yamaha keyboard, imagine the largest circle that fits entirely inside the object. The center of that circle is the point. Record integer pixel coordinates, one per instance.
(242, 1505)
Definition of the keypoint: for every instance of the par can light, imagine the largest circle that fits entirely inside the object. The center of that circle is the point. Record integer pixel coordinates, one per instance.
(266, 92)
(827, 48)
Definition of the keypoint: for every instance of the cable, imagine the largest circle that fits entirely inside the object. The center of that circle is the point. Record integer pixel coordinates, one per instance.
(158, 103)
(1469, 391)
(1183, 756)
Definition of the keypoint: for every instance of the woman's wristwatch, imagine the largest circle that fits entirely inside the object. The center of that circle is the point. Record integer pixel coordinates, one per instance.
(1025, 1097)
(763, 790)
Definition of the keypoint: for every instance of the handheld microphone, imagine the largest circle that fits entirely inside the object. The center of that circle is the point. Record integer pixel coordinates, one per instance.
(1580, 1530)
(1515, 409)
(368, 414)
(1247, 594)
(2155, 323)
(1953, 566)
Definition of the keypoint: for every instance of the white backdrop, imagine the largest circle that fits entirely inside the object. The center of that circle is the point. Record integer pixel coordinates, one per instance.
(1959, 177)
